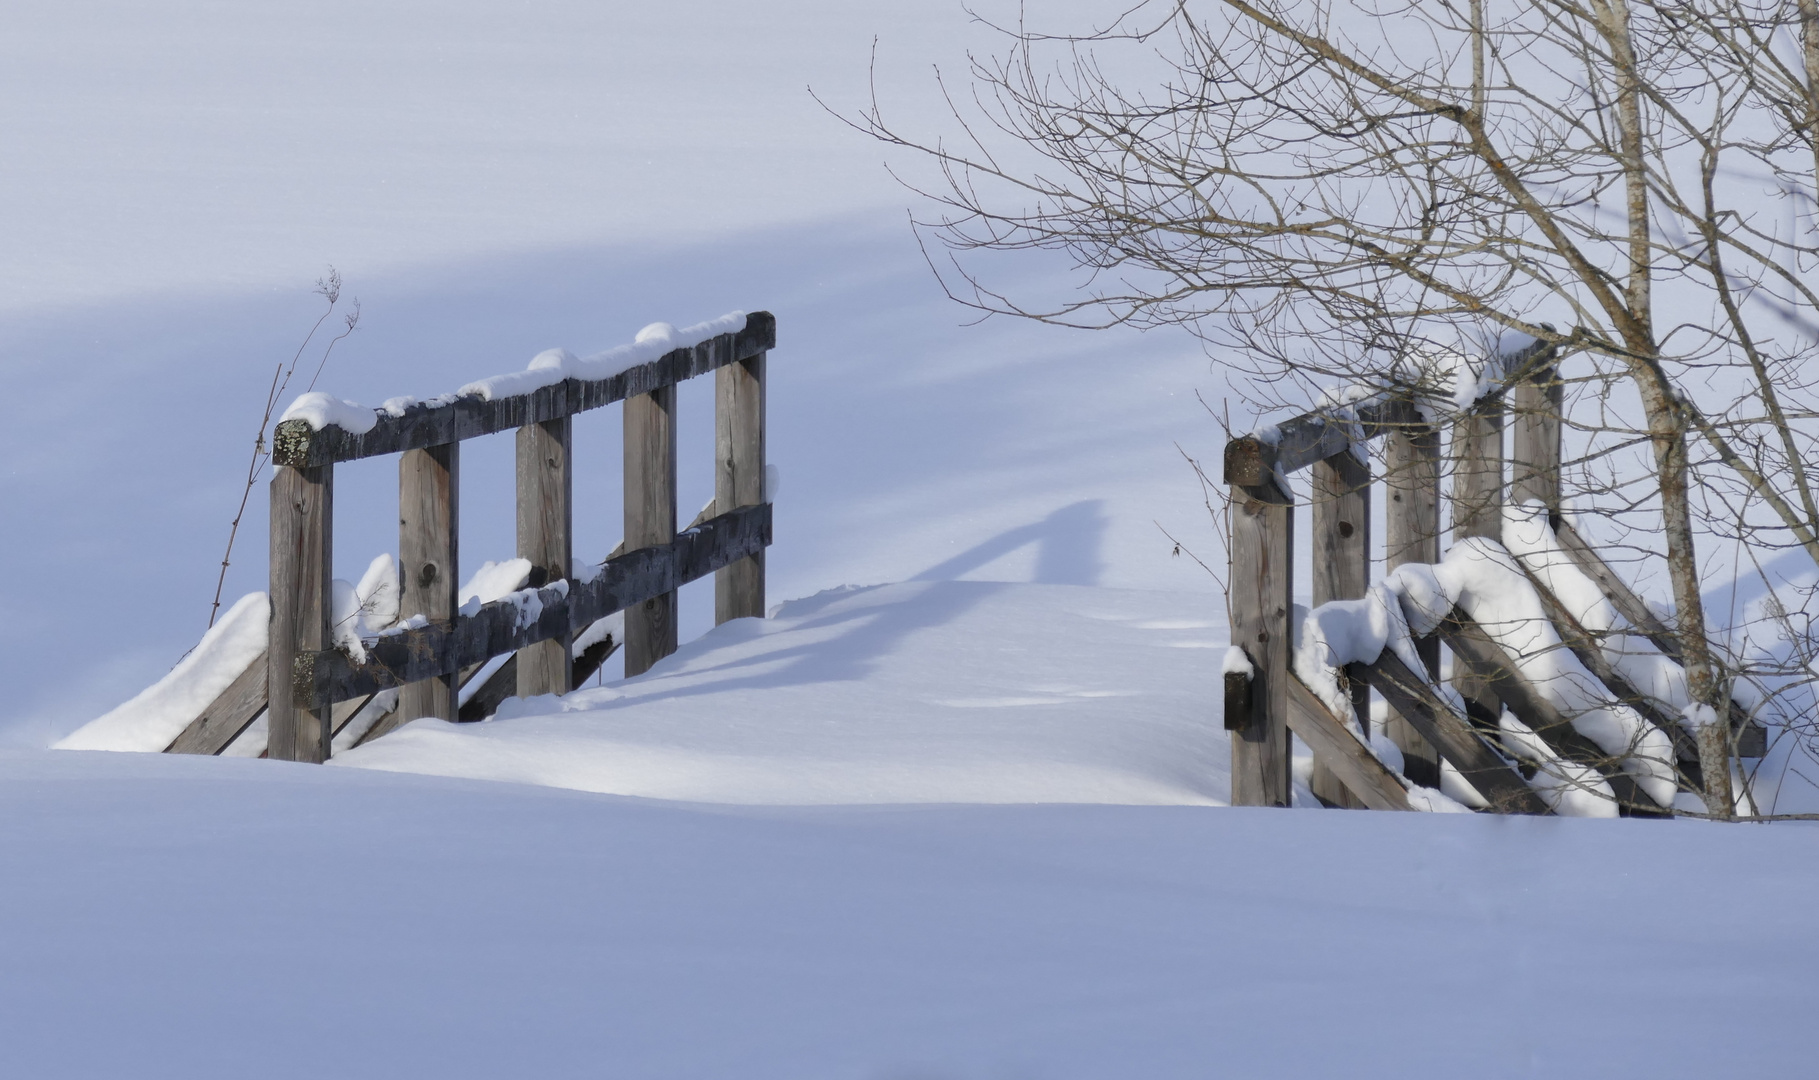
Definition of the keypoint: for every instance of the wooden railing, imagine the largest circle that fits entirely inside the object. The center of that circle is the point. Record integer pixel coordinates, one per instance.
(307, 676)
(1263, 707)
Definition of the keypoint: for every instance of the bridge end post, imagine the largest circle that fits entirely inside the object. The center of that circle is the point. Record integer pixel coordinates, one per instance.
(302, 576)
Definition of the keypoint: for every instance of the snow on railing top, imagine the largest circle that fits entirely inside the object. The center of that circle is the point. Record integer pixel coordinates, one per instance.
(1351, 414)
(319, 429)
(551, 366)
(1486, 580)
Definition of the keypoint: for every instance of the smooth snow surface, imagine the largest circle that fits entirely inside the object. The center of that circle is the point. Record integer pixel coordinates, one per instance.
(159, 914)
(159, 713)
(971, 692)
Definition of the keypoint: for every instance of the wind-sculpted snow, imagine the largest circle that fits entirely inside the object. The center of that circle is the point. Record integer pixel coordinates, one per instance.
(1482, 579)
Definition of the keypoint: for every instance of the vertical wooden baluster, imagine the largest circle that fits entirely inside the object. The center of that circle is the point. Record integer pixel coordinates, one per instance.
(1478, 511)
(739, 479)
(1262, 589)
(429, 493)
(302, 545)
(1342, 571)
(1535, 442)
(545, 528)
(1411, 516)
(650, 518)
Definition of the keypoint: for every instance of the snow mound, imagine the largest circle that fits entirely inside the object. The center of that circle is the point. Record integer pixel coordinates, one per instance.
(160, 712)
(960, 692)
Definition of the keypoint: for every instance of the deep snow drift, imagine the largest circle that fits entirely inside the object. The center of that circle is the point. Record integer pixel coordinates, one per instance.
(964, 692)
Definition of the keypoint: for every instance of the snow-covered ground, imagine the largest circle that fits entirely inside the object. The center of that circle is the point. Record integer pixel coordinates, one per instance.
(977, 606)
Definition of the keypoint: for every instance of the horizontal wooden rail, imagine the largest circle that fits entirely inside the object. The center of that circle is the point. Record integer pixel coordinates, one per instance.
(1334, 745)
(1469, 640)
(568, 606)
(1315, 436)
(1458, 742)
(297, 444)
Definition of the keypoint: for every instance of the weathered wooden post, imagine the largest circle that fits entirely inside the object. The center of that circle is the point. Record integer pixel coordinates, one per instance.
(1535, 443)
(739, 479)
(650, 518)
(545, 528)
(302, 545)
(1411, 517)
(1342, 571)
(1262, 592)
(429, 493)
(1478, 511)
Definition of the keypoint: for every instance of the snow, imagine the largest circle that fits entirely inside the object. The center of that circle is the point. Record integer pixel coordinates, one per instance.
(161, 905)
(882, 695)
(1237, 662)
(321, 410)
(551, 366)
(492, 180)
(159, 713)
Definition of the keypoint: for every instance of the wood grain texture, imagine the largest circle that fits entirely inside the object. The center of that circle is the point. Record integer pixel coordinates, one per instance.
(232, 712)
(296, 443)
(302, 544)
(545, 537)
(1411, 695)
(1411, 517)
(650, 519)
(1349, 761)
(1468, 639)
(1262, 590)
(1300, 441)
(561, 608)
(739, 478)
(429, 576)
(1341, 568)
(1535, 408)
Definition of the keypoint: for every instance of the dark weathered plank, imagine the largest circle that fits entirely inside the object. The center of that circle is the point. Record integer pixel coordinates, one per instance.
(565, 607)
(429, 549)
(650, 518)
(739, 478)
(1262, 587)
(1311, 437)
(1411, 516)
(302, 543)
(545, 537)
(232, 712)
(503, 684)
(1349, 761)
(1500, 784)
(1341, 571)
(1467, 639)
(296, 443)
(1535, 439)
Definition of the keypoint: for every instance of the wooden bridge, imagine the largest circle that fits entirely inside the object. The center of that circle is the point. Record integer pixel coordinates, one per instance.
(310, 690)
(1263, 706)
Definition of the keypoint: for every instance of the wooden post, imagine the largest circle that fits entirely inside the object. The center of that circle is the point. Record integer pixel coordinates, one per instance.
(1478, 471)
(302, 545)
(650, 518)
(1342, 571)
(429, 493)
(1478, 511)
(1535, 444)
(739, 479)
(1411, 516)
(1262, 591)
(545, 526)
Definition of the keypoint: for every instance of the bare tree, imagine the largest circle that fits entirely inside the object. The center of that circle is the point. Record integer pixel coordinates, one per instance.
(1321, 192)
